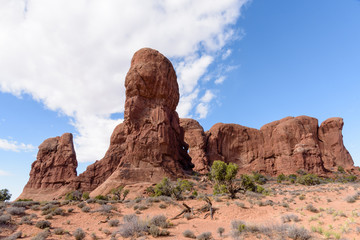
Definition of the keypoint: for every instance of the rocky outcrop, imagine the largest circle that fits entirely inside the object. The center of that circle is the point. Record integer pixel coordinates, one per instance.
(149, 144)
(332, 147)
(55, 166)
(196, 139)
(153, 142)
(283, 146)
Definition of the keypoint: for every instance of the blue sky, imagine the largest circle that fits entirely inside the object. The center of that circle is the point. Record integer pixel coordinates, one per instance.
(237, 61)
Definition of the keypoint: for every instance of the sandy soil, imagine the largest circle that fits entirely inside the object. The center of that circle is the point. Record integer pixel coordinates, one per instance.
(324, 210)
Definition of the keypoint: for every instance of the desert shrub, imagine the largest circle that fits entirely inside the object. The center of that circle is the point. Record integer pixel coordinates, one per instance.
(162, 206)
(223, 175)
(350, 199)
(26, 220)
(42, 224)
(79, 234)
(281, 178)
(159, 221)
(188, 216)
(113, 222)
(220, 231)
(81, 205)
(311, 208)
(91, 200)
(14, 236)
(59, 211)
(301, 172)
(15, 210)
(94, 237)
(132, 226)
(157, 232)
(85, 209)
(105, 208)
(49, 217)
(5, 219)
(259, 178)
(59, 231)
(4, 195)
(341, 169)
(73, 196)
(101, 197)
(70, 210)
(86, 196)
(42, 236)
(24, 204)
(119, 193)
(308, 179)
(296, 233)
(240, 204)
(175, 190)
(204, 236)
(289, 217)
(188, 234)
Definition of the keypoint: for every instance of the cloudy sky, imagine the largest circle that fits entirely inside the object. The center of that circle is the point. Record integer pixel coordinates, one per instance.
(63, 66)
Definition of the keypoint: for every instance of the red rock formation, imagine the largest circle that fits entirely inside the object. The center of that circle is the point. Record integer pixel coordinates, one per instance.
(332, 147)
(195, 137)
(149, 144)
(283, 146)
(55, 166)
(152, 142)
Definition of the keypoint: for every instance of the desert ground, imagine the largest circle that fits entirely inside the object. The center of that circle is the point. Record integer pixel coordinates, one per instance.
(286, 211)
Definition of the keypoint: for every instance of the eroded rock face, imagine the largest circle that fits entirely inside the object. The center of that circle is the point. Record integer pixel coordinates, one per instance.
(283, 146)
(55, 165)
(332, 147)
(149, 144)
(196, 139)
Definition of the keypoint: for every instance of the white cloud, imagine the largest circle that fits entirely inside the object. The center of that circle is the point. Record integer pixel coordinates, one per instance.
(73, 55)
(202, 110)
(220, 80)
(208, 96)
(3, 173)
(226, 54)
(15, 146)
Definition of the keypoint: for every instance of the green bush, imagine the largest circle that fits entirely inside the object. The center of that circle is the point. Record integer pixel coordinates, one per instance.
(259, 178)
(341, 169)
(308, 179)
(120, 193)
(224, 175)
(247, 183)
(86, 196)
(281, 178)
(101, 197)
(175, 190)
(73, 196)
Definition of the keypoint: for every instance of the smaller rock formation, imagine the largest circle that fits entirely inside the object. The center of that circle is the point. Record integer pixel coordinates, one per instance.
(196, 139)
(332, 146)
(282, 146)
(55, 166)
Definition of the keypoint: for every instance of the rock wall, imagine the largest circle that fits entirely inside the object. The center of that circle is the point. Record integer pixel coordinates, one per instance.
(283, 146)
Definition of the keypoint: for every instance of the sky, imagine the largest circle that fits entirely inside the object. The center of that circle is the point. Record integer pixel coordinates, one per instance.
(63, 65)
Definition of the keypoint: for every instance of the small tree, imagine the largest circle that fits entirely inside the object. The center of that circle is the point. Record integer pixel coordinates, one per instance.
(4, 195)
(224, 175)
(120, 193)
